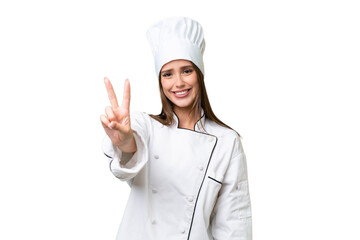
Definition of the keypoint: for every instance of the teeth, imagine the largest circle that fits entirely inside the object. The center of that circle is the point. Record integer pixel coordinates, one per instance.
(180, 93)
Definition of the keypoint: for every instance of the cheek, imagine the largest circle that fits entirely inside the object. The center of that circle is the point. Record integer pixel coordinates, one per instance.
(196, 90)
(166, 88)
(196, 87)
(166, 92)
(194, 81)
(165, 85)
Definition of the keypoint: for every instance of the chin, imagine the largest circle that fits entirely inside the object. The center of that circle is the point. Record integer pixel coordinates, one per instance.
(181, 104)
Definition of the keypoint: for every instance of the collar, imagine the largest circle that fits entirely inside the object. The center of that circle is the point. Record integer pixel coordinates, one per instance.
(198, 126)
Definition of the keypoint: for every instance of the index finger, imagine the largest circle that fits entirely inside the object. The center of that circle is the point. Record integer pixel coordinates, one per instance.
(111, 93)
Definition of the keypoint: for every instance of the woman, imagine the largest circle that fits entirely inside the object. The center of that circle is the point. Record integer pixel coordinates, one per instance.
(186, 169)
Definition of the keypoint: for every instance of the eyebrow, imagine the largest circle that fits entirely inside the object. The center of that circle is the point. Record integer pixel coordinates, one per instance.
(168, 70)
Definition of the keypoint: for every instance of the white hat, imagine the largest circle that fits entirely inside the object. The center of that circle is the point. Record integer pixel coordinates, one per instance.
(177, 38)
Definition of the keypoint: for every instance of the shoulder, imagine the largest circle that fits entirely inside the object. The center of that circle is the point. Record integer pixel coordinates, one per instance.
(221, 131)
(226, 136)
(139, 116)
(141, 123)
(140, 119)
(143, 118)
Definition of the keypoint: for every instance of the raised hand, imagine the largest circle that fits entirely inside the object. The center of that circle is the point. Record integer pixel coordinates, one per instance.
(116, 122)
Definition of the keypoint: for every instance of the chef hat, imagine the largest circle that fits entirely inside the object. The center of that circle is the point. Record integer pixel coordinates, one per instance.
(177, 38)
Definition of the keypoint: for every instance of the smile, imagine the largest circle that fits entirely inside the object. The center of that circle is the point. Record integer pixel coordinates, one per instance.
(183, 93)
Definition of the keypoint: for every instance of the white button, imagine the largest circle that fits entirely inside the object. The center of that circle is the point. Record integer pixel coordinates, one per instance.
(201, 168)
(154, 190)
(153, 221)
(190, 199)
(211, 139)
(156, 156)
(183, 230)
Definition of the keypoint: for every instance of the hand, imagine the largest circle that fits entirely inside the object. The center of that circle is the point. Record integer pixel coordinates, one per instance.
(116, 123)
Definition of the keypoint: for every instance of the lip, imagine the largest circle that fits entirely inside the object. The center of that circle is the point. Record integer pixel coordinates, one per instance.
(183, 95)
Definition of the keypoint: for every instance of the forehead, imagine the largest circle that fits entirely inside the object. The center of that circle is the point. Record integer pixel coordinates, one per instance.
(178, 63)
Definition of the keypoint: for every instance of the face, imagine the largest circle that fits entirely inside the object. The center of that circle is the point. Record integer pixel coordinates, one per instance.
(179, 82)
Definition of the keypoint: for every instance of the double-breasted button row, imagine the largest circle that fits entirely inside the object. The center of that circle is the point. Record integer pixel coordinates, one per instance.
(182, 230)
(201, 168)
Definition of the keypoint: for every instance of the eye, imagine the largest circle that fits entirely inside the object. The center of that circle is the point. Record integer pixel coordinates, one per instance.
(188, 71)
(167, 74)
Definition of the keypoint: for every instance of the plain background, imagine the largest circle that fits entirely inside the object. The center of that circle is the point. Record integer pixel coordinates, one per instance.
(284, 74)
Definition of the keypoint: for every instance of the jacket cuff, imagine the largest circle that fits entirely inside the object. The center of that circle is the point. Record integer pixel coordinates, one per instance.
(125, 165)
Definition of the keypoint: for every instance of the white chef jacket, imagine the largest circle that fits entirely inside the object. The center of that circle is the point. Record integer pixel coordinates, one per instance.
(185, 184)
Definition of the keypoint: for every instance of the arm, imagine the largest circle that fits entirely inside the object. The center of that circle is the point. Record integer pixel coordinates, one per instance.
(231, 217)
(126, 165)
(125, 143)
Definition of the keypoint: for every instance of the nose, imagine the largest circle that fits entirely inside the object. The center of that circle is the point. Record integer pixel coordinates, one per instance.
(179, 82)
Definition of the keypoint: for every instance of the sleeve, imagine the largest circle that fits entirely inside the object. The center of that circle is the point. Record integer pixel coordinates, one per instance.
(126, 166)
(231, 217)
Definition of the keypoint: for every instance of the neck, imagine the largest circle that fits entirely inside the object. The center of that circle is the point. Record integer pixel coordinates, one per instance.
(187, 118)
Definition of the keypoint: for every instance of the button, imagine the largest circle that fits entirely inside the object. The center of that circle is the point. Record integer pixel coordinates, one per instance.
(201, 168)
(190, 199)
(153, 221)
(183, 231)
(154, 190)
(156, 156)
(211, 139)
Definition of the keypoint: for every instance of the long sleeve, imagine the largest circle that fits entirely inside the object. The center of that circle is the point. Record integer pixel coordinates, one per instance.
(231, 217)
(126, 166)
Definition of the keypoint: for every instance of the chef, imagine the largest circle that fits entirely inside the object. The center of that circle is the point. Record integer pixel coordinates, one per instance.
(186, 168)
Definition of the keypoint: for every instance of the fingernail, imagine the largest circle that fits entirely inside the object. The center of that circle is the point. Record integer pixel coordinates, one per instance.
(109, 125)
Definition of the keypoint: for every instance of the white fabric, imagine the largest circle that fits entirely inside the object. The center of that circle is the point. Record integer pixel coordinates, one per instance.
(185, 184)
(177, 38)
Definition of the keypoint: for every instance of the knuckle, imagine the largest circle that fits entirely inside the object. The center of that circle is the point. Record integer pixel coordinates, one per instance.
(124, 131)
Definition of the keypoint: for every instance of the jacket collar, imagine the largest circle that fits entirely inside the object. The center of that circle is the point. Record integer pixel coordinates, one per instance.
(199, 125)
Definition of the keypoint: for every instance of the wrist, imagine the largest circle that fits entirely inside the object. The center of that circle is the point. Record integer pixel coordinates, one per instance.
(128, 146)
